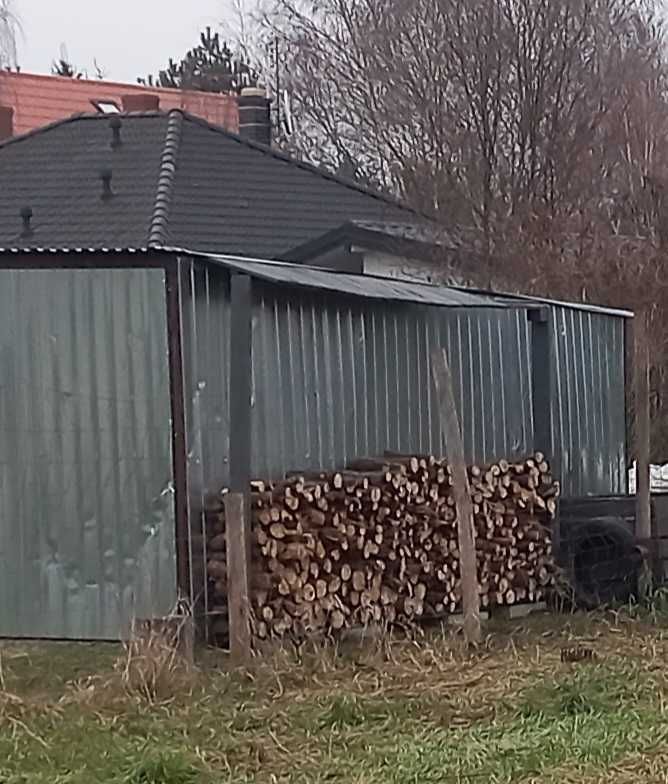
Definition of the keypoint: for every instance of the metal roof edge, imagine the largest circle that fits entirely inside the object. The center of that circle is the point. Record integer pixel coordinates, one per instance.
(53, 251)
(364, 286)
(583, 306)
(242, 263)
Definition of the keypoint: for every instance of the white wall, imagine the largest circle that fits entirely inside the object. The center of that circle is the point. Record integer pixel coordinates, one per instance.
(388, 265)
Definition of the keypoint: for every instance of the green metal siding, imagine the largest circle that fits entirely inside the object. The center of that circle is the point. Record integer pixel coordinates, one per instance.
(86, 497)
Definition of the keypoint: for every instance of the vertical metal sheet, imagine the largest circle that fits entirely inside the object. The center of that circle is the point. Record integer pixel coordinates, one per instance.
(86, 501)
(205, 300)
(337, 379)
(205, 305)
(589, 420)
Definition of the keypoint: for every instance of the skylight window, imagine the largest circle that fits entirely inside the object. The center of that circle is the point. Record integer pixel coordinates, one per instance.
(106, 107)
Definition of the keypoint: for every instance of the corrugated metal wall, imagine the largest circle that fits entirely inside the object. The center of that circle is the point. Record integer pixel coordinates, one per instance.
(336, 379)
(589, 421)
(86, 505)
(205, 305)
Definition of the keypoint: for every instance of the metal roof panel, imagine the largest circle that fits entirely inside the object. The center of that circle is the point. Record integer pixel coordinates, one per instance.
(283, 273)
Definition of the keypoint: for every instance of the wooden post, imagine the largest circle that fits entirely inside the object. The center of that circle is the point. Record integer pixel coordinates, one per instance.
(452, 436)
(642, 427)
(238, 578)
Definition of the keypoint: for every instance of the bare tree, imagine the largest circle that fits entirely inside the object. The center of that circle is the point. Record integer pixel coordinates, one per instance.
(10, 28)
(471, 108)
(536, 125)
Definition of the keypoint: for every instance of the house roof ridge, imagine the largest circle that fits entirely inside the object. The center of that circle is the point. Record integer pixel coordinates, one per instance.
(305, 166)
(20, 137)
(158, 232)
(77, 117)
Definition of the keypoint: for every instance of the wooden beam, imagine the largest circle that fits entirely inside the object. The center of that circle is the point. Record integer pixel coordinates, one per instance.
(454, 446)
(238, 577)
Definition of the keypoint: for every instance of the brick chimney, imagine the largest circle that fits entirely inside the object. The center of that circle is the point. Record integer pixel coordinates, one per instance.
(140, 102)
(6, 122)
(255, 115)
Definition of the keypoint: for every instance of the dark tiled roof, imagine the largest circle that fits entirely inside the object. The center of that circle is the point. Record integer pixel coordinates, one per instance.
(177, 181)
(422, 232)
(56, 172)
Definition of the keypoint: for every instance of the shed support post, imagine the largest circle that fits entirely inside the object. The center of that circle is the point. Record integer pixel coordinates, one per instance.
(642, 427)
(237, 502)
(542, 389)
(629, 392)
(177, 395)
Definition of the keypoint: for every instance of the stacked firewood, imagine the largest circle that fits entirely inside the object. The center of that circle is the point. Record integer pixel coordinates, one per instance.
(378, 542)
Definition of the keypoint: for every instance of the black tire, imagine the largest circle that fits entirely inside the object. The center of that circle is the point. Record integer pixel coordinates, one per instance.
(605, 562)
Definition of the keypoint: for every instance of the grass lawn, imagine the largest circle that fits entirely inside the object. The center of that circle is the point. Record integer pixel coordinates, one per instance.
(398, 713)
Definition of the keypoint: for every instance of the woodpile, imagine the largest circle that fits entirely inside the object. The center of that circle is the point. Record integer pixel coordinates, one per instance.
(377, 543)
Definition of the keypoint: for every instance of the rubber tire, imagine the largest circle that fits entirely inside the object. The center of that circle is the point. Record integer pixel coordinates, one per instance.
(606, 562)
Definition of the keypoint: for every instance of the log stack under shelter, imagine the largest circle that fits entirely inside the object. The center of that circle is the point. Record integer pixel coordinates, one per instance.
(377, 543)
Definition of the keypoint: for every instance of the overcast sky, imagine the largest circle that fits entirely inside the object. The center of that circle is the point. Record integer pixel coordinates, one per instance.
(128, 38)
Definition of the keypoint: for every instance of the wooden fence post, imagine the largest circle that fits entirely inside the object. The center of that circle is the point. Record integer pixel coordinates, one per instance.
(452, 436)
(238, 578)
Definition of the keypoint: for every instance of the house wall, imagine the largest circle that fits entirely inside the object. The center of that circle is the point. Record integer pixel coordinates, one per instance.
(86, 498)
(390, 265)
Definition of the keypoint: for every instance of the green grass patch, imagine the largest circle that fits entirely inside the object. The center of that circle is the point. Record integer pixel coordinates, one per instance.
(586, 691)
(160, 767)
(425, 713)
(528, 747)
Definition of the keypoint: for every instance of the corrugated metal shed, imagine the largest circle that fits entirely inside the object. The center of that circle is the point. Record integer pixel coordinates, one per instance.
(86, 499)
(341, 375)
(588, 410)
(588, 307)
(341, 369)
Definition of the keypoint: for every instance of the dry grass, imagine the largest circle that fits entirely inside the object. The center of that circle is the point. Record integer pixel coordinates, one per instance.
(152, 667)
(390, 711)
